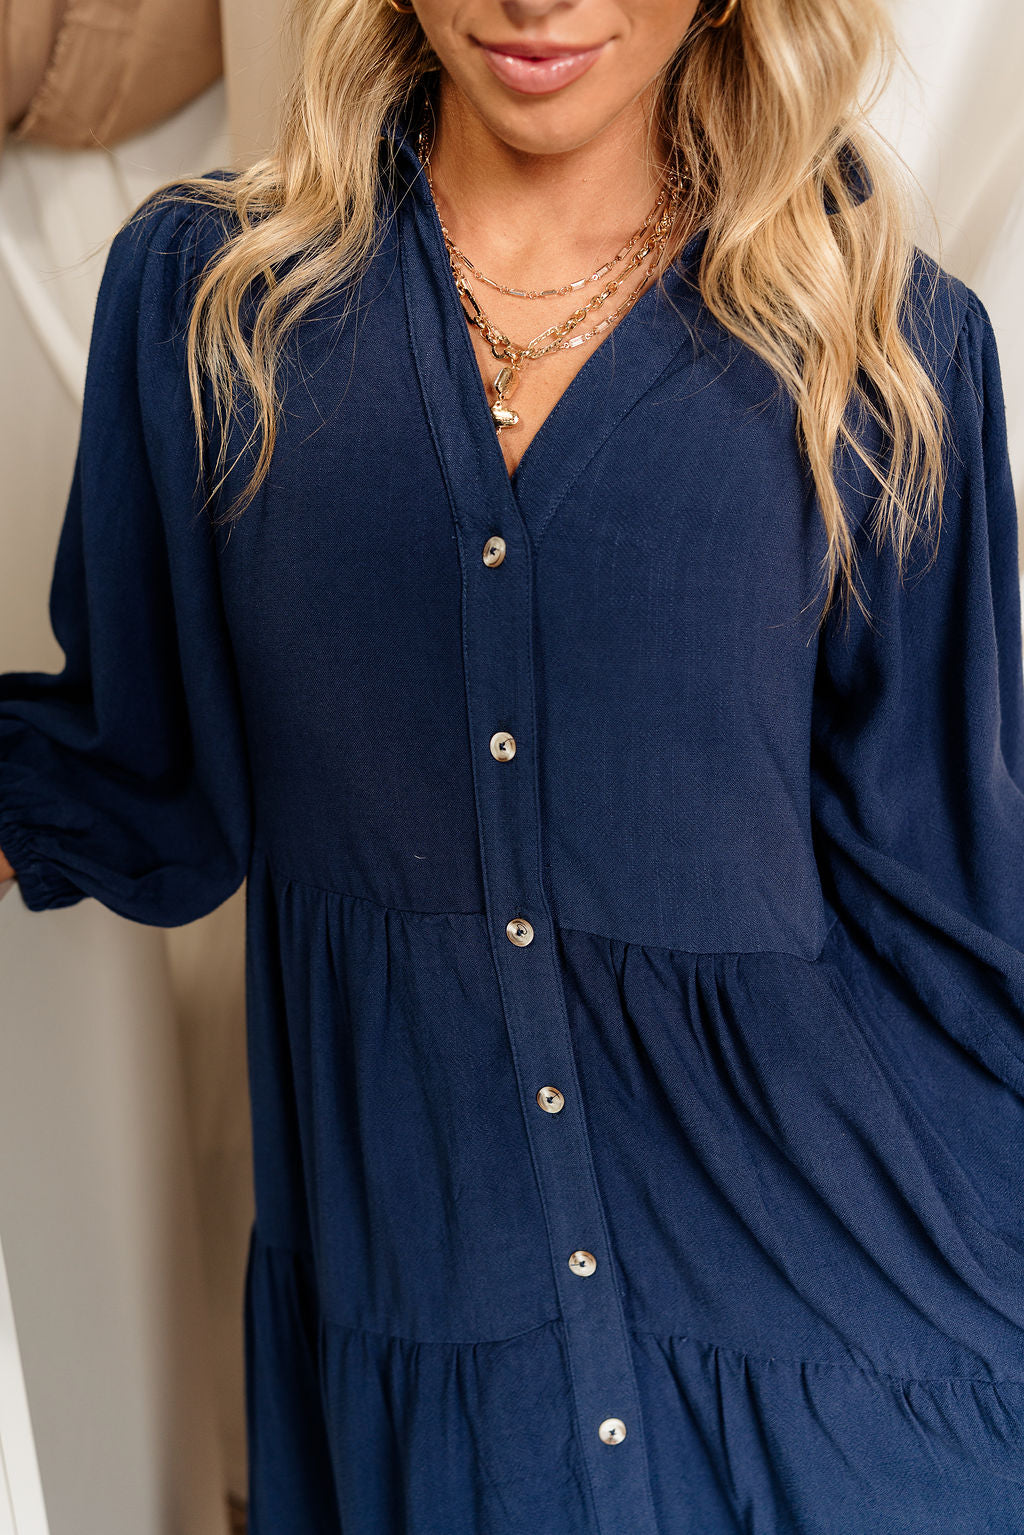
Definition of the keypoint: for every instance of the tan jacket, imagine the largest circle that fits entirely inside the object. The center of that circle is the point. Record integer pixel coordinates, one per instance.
(89, 72)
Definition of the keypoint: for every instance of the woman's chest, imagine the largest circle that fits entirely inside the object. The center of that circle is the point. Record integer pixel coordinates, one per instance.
(663, 529)
(630, 614)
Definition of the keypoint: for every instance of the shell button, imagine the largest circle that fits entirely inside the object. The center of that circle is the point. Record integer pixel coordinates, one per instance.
(519, 931)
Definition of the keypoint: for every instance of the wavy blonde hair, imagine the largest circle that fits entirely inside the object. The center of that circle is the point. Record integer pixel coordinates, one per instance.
(767, 111)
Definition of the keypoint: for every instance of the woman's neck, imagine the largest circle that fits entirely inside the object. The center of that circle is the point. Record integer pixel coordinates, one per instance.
(539, 215)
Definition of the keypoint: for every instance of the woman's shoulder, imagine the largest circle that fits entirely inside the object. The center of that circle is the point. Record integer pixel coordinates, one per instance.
(188, 206)
(946, 320)
(143, 305)
(170, 235)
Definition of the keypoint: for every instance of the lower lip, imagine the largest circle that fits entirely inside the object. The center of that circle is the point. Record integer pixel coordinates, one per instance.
(536, 77)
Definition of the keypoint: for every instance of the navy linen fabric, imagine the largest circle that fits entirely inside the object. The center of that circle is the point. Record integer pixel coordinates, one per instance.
(775, 882)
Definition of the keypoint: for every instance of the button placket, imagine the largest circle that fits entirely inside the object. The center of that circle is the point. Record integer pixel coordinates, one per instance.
(500, 681)
(497, 613)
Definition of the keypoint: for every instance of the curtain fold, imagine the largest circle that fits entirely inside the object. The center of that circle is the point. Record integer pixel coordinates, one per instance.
(82, 73)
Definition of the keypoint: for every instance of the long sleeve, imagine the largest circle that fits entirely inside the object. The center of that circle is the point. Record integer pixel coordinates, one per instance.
(918, 748)
(124, 776)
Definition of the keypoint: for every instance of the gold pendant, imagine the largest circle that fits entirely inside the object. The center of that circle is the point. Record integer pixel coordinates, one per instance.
(502, 416)
(505, 382)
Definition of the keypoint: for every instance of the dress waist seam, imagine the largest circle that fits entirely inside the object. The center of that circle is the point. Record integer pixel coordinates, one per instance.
(284, 876)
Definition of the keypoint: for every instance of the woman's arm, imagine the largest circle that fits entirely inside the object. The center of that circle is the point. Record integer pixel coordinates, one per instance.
(918, 763)
(124, 776)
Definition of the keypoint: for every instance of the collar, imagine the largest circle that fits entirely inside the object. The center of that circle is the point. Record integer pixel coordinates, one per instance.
(859, 186)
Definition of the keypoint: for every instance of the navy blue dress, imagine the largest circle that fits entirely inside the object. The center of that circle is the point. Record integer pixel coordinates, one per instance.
(637, 1118)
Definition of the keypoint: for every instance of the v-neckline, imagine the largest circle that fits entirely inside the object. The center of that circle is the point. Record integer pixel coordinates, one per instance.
(611, 380)
(539, 439)
(515, 479)
(576, 385)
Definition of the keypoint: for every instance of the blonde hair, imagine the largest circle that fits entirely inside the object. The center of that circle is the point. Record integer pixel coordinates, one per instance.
(805, 269)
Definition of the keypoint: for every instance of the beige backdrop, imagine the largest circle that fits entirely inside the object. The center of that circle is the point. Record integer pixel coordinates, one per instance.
(125, 1190)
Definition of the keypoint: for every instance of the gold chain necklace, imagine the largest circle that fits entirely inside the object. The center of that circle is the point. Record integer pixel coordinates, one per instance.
(569, 287)
(511, 354)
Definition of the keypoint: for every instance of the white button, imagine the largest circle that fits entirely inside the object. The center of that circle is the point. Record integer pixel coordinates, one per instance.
(550, 1100)
(503, 746)
(582, 1262)
(494, 550)
(520, 931)
(612, 1431)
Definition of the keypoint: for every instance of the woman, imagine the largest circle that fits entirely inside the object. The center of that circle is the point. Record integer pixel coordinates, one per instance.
(624, 746)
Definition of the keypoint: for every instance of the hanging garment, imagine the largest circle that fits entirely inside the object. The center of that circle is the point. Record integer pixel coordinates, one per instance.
(89, 73)
(636, 1115)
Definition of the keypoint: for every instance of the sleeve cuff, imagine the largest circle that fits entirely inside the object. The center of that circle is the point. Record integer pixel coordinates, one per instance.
(41, 884)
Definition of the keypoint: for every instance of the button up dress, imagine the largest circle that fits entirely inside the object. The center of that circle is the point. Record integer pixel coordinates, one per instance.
(635, 975)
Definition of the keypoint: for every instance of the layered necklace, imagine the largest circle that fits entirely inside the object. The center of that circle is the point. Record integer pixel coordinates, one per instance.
(646, 244)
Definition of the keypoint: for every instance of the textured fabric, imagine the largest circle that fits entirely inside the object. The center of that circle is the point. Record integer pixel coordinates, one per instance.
(79, 73)
(774, 881)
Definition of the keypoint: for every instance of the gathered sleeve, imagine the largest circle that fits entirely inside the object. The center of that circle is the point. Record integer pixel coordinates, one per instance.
(124, 776)
(917, 777)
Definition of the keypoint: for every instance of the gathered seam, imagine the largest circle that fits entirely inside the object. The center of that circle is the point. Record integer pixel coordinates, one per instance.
(853, 1366)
